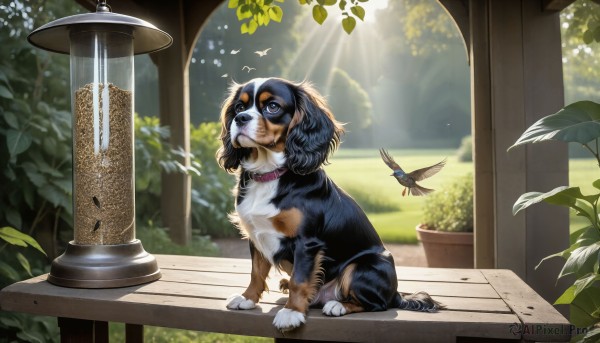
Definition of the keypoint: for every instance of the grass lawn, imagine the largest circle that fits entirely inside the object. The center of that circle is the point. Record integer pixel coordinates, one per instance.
(363, 174)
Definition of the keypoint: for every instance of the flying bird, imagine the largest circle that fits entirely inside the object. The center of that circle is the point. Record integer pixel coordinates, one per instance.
(224, 75)
(234, 52)
(262, 53)
(249, 68)
(409, 180)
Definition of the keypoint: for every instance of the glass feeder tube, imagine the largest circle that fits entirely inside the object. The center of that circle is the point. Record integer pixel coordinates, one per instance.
(104, 252)
(102, 101)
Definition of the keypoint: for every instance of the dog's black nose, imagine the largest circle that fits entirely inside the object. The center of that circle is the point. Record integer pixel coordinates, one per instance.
(242, 118)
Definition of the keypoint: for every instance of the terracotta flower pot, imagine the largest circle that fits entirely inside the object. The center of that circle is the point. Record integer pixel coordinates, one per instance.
(447, 249)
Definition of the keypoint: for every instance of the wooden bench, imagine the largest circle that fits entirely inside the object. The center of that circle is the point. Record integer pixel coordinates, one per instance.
(491, 304)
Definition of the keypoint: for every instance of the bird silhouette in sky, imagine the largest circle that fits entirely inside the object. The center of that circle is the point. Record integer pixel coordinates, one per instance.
(262, 53)
(409, 180)
(249, 68)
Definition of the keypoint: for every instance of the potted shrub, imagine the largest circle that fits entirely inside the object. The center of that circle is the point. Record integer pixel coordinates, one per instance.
(576, 123)
(447, 230)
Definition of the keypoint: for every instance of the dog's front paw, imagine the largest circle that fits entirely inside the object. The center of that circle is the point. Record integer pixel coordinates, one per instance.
(239, 302)
(334, 308)
(287, 319)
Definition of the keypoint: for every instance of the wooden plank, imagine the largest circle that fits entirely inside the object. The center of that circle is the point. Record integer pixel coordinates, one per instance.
(211, 315)
(540, 320)
(440, 275)
(244, 266)
(469, 290)
(208, 264)
(222, 291)
(276, 297)
(556, 5)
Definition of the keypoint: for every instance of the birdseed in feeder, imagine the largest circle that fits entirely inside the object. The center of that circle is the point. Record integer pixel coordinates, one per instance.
(104, 211)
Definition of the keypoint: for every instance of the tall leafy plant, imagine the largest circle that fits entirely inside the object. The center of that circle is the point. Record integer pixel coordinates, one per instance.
(576, 123)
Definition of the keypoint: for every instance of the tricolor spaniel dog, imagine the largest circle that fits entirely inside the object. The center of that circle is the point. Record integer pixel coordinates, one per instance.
(276, 136)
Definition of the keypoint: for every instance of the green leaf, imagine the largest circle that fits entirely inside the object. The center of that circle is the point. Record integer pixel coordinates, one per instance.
(588, 37)
(593, 335)
(13, 217)
(584, 308)
(567, 297)
(358, 11)
(276, 13)
(343, 4)
(319, 14)
(596, 184)
(10, 234)
(249, 27)
(528, 199)
(585, 282)
(348, 24)
(329, 2)
(581, 261)
(564, 254)
(11, 120)
(52, 194)
(597, 34)
(578, 123)
(5, 93)
(8, 271)
(233, 3)
(24, 263)
(243, 12)
(17, 141)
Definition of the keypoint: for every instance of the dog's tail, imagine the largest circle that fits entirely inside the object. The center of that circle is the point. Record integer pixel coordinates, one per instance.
(419, 301)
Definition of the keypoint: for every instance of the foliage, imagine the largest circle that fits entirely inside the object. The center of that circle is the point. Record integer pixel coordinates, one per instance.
(465, 150)
(18, 327)
(352, 106)
(166, 335)
(16, 238)
(258, 13)
(580, 30)
(211, 187)
(451, 208)
(211, 192)
(35, 131)
(576, 123)
(152, 156)
(157, 241)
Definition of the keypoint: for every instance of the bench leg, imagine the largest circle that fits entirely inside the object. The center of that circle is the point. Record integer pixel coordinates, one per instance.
(134, 333)
(80, 330)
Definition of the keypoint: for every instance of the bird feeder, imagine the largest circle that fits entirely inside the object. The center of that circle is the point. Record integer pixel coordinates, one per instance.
(104, 252)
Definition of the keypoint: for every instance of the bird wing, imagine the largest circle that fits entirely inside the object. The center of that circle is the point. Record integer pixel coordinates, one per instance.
(389, 160)
(423, 173)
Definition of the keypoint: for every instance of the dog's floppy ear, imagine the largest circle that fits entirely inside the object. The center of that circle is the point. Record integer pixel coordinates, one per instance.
(229, 158)
(313, 133)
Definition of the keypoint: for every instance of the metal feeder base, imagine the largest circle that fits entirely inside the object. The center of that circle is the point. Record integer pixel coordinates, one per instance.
(104, 266)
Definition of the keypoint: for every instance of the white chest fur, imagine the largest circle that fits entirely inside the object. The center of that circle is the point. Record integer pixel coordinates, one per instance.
(255, 212)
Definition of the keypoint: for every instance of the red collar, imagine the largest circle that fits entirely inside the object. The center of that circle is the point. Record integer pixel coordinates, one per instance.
(270, 176)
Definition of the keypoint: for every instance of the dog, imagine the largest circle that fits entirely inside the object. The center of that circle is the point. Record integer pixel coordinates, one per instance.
(276, 136)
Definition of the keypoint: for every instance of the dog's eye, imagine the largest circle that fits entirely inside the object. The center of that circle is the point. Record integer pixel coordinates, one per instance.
(273, 107)
(239, 108)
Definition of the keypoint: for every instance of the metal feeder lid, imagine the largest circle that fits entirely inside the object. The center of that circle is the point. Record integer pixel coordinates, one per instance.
(54, 36)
